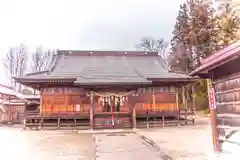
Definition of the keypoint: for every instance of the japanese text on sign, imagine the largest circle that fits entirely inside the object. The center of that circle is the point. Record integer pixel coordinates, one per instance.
(212, 104)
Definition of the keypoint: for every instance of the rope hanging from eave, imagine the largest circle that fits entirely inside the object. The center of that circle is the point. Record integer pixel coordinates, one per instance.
(112, 94)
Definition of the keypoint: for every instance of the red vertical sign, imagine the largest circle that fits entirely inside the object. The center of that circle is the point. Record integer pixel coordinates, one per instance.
(212, 104)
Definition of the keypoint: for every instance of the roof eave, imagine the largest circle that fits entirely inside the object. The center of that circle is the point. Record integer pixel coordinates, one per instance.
(204, 70)
(111, 83)
(217, 59)
(29, 80)
(175, 80)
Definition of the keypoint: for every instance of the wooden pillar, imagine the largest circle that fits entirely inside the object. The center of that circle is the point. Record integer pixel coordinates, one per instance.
(91, 110)
(24, 123)
(163, 121)
(9, 111)
(153, 102)
(41, 105)
(177, 103)
(147, 118)
(193, 103)
(134, 123)
(213, 119)
(41, 123)
(67, 108)
(75, 123)
(58, 123)
(184, 104)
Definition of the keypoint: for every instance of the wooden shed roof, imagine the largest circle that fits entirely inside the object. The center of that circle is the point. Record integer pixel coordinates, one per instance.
(219, 58)
(106, 67)
(8, 91)
(8, 96)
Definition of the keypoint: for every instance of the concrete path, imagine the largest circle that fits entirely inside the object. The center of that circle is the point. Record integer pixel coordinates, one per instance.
(123, 146)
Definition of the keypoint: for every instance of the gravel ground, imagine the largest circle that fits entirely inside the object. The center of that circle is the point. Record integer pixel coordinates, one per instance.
(44, 145)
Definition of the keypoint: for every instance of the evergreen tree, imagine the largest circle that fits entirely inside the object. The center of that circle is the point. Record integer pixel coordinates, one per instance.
(227, 26)
(202, 29)
(180, 55)
(194, 38)
(195, 32)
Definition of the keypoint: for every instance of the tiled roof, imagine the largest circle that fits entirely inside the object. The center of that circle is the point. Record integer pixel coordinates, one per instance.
(108, 67)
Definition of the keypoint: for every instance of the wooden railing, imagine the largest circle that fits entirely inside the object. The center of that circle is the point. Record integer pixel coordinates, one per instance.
(162, 118)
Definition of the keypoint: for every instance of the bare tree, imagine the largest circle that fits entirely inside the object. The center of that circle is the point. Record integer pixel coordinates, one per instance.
(15, 64)
(41, 59)
(153, 45)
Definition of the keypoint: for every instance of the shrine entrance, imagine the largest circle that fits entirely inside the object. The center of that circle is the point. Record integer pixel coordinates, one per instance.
(113, 105)
(112, 111)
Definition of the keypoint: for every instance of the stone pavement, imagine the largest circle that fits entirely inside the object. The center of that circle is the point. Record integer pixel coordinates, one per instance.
(123, 146)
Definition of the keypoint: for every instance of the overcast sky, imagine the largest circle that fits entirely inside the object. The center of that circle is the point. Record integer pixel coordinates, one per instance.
(84, 24)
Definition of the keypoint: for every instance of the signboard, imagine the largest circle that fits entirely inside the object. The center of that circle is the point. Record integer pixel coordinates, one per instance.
(212, 104)
(78, 108)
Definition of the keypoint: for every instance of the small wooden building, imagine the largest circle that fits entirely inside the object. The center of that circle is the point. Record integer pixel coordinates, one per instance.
(13, 104)
(223, 71)
(105, 89)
